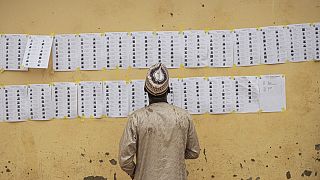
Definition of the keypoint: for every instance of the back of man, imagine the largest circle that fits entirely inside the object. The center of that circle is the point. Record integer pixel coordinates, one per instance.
(161, 136)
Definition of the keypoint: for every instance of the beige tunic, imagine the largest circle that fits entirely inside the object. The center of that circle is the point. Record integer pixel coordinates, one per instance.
(161, 136)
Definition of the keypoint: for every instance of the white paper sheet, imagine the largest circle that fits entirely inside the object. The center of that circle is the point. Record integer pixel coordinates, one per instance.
(90, 99)
(221, 95)
(37, 51)
(316, 27)
(301, 47)
(117, 50)
(40, 102)
(246, 94)
(115, 99)
(247, 47)
(66, 52)
(175, 95)
(12, 48)
(64, 97)
(16, 103)
(220, 48)
(143, 49)
(91, 51)
(2, 104)
(169, 48)
(195, 95)
(275, 44)
(138, 98)
(272, 93)
(195, 48)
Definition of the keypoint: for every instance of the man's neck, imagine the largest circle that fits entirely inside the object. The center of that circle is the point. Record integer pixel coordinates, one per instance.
(157, 100)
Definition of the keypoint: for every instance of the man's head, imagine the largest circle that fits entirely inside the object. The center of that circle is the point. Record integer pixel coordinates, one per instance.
(157, 83)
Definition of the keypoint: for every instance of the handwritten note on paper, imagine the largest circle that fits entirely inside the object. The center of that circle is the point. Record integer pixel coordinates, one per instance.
(195, 94)
(138, 98)
(272, 93)
(220, 48)
(16, 103)
(12, 48)
(143, 49)
(316, 27)
(66, 52)
(90, 99)
(247, 47)
(117, 50)
(169, 48)
(40, 102)
(246, 94)
(175, 95)
(275, 44)
(302, 42)
(37, 51)
(115, 99)
(221, 95)
(64, 97)
(91, 51)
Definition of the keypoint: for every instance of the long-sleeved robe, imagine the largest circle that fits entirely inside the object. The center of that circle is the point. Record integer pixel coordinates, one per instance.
(161, 136)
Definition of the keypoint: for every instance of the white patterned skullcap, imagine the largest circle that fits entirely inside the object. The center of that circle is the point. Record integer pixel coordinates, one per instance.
(157, 80)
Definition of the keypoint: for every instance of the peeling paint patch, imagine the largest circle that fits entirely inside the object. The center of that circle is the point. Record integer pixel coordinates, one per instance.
(94, 178)
(317, 147)
(115, 176)
(113, 162)
(306, 173)
(288, 175)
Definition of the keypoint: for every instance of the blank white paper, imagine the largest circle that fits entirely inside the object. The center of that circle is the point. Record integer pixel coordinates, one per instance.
(221, 95)
(12, 48)
(91, 51)
(66, 52)
(16, 103)
(247, 47)
(64, 97)
(195, 48)
(275, 44)
(115, 99)
(90, 99)
(169, 48)
(143, 49)
(117, 50)
(138, 98)
(195, 95)
(301, 47)
(246, 94)
(220, 48)
(37, 51)
(175, 95)
(316, 31)
(272, 93)
(40, 102)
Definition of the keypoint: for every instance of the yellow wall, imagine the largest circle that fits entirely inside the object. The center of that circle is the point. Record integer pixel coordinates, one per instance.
(266, 145)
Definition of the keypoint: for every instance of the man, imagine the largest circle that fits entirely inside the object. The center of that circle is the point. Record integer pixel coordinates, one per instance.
(161, 135)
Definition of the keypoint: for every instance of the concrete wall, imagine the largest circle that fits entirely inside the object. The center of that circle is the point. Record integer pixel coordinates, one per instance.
(234, 146)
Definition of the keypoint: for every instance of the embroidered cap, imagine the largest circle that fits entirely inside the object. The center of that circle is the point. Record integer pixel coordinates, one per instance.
(157, 80)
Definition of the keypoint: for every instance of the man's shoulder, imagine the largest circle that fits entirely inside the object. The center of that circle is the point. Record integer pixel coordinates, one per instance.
(169, 107)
